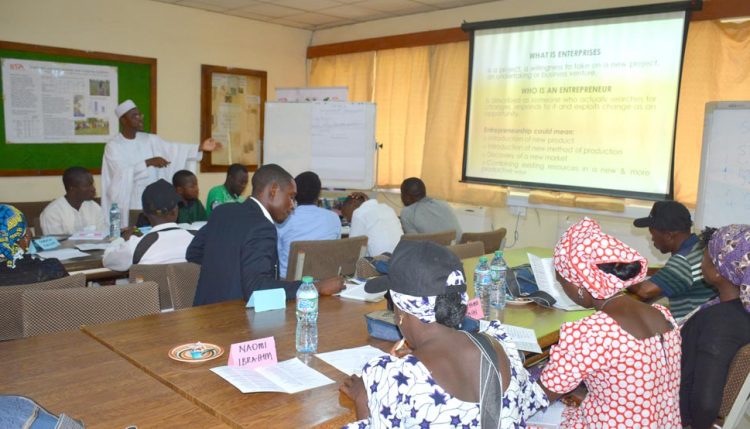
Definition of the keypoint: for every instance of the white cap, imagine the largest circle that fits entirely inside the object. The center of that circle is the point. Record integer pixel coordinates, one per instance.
(124, 108)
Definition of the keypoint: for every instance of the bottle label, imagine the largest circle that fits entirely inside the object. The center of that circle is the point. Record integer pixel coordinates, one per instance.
(483, 277)
(307, 305)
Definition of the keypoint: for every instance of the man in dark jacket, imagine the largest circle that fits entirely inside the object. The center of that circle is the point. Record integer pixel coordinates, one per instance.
(237, 248)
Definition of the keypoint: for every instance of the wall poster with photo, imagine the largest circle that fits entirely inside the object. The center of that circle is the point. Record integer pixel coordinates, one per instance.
(232, 108)
(54, 102)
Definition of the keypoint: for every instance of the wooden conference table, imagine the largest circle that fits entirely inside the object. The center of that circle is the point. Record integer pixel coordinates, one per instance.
(145, 342)
(70, 373)
(82, 377)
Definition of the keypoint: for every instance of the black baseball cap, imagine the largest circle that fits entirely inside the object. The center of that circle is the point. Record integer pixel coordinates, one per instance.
(159, 198)
(421, 268)
(666, 216)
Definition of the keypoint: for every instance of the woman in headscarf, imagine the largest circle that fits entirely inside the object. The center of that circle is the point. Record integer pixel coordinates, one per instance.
(449, 378)
(627, 353)
(712, 336)
(17, 267)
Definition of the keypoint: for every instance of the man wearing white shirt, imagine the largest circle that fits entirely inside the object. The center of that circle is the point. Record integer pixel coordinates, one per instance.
(76, 210)
(165, 243)
(372, 219)
(133, 160)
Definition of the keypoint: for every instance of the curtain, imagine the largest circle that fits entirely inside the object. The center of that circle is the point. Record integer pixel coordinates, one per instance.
(402, 83)
(716, 68)
(444, 138)
(421, 106)
(355, 71)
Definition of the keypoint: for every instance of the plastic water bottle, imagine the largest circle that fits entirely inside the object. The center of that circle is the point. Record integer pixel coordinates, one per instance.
(498, 272)
(482, 283)
(114, 221)
(307, 316)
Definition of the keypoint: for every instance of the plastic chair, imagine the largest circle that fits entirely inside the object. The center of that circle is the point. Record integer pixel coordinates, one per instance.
(468, 250)
(325, 258)
(182, 280)
(153, 273)
(445, 238)
(46, 311)
(736, 395)
(491, 239)
(11, 314)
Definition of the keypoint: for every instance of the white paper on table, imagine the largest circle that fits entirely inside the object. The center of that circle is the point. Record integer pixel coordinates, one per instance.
(88, 235)
(290, 376)
(524, 338)
(62, 254)
(355, 289)
(351, 361)
(92, 246)
(549, 418)
(544, 274)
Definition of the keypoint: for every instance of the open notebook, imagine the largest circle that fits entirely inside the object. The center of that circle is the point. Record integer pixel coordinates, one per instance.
(544, 274)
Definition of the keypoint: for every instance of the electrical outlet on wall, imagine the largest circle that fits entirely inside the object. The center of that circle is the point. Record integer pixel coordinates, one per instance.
(518, 211)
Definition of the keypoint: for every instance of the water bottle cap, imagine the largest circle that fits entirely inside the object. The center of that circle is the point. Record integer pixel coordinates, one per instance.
(307, 279)
(482, 259)
(114, 205)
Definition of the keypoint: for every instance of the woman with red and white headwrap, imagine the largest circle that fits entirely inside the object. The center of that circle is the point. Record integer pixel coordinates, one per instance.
(627, 353)
(712, 337)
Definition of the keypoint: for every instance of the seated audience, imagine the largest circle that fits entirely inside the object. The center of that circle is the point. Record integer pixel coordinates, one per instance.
(232, 189)
(372, 219)
(165, 243)
(448, 378)
(627, 353)
(190, 207)
(308, 221)
(714, 334)
(237, 248)
(17, 266)
(680, 279)
(76, 210)
(422, 214)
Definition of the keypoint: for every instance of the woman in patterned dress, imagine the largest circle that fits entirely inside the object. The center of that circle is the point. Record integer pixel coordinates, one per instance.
(712, 336)
(17, 266)
(627, 353)
(446, 380)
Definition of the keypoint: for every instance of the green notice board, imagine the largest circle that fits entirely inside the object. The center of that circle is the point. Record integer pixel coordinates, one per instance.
(136, 80)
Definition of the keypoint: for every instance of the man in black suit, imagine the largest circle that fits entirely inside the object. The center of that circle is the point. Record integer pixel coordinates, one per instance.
(237, 248)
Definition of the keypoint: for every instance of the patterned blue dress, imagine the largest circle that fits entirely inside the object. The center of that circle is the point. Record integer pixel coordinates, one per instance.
(401, 393)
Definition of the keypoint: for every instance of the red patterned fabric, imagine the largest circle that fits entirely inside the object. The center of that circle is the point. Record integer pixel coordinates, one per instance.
(584, 246)
(632, 383)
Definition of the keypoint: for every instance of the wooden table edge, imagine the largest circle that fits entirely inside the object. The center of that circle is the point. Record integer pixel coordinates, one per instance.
(202, 405)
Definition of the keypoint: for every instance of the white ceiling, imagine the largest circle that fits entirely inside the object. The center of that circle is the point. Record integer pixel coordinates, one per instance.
(318, 14)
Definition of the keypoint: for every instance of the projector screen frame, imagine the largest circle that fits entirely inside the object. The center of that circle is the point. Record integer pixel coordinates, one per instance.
(470, 27)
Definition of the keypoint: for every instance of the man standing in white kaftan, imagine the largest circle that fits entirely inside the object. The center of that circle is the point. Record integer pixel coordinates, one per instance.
(134, 160)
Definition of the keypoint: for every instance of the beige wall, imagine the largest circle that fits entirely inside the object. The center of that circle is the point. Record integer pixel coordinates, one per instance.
(180, 38)
(452, 18)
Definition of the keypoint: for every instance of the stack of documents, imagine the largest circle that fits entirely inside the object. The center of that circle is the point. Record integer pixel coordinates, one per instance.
(290, 376)
(351, 361)
(544, 274)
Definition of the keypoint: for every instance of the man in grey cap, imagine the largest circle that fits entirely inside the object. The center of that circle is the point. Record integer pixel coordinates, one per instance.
(681, 278)
(134, 159)
(165, 243)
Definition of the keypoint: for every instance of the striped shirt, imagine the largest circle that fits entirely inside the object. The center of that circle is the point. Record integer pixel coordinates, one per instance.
(681, 279)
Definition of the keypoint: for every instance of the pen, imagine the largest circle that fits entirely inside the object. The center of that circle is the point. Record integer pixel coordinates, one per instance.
(339, 274)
